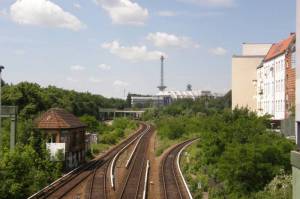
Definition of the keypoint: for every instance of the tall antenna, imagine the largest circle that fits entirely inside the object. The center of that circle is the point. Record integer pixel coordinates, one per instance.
(162, 87)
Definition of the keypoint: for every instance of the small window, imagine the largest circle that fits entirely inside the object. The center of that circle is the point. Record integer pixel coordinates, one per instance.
(293, 60)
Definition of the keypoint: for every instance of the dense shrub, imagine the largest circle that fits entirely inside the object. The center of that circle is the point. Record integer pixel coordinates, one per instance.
(237, 152)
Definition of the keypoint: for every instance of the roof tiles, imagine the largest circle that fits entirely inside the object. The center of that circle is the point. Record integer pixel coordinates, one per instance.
(280, 48)
(57, 118)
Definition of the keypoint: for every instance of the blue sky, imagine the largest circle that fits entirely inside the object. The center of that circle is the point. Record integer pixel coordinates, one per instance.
(106, 46)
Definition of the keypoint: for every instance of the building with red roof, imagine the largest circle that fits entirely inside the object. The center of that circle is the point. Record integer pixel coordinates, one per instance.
(65, 133)
(276, 80)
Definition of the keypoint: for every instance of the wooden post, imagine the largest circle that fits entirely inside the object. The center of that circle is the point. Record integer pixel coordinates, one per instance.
(13, 125)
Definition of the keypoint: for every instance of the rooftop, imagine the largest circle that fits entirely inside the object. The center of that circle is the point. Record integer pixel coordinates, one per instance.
(56, 118)
(280, 48)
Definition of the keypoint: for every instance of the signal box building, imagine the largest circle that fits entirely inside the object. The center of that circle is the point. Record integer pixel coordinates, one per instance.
(66, 134)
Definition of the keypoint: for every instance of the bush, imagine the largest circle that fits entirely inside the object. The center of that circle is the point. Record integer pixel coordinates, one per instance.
(109, 138)
(237, 151)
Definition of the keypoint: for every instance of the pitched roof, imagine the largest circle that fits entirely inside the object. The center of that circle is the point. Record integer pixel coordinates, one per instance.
(57, 118)
(280, 48)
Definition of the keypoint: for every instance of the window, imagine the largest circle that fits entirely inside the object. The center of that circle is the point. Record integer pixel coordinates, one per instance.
(293, 60)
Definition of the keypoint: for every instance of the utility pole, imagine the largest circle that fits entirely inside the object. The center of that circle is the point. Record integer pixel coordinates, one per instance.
(1, 68)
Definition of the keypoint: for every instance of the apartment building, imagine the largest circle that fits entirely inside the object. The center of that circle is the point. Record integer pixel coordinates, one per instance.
(244, 74)
(298, 81)
(276, 80)
(295, 155)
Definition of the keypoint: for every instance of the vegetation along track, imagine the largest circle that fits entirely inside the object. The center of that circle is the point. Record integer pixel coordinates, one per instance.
(173, 185)
(63, 186)
(134, 184)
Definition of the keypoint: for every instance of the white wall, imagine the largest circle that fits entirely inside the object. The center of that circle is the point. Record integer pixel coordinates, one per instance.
(271, 80)
(54, 148)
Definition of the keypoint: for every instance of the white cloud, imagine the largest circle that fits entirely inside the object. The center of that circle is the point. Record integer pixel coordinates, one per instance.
(77, 5)
(119, 83)
(104, 67)
(161, 39)
(71, 79)
(218, 51)
(77, 68)
(132, 53)
(95, 80)
(167, 13)
(124, 11)
(43, 13)
(215, 3)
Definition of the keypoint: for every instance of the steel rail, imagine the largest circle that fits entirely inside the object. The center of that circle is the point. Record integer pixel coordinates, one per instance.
(59, 184)
(135, 147)
(171, 158)
(106, 166)
(136, 171)
(179, 169)
(146, 180)
(112, 167)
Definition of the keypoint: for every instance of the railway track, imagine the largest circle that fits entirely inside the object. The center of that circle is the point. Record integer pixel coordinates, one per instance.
(98, 187)
(96, 170)
(135, 184)
(173, 183)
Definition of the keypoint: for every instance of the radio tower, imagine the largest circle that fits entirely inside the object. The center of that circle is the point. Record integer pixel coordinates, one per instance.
(162, 87)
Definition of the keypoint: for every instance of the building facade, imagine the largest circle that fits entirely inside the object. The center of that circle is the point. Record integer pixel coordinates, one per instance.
(148, 101)
(295, 155)
(276, 80)
(298, 76)
(244, 72)
(188, 94)
(66, 134)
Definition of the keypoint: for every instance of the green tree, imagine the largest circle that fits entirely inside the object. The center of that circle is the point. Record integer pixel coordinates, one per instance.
(93, 125)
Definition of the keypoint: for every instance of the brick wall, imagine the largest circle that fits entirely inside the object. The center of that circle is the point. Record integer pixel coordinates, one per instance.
(290, 84)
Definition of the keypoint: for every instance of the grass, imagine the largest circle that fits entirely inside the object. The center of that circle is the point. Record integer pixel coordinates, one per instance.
(163, 144)
(193, 175)
(98, 148)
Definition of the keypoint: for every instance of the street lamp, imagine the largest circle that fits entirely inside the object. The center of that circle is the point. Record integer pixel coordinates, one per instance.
(1, 68)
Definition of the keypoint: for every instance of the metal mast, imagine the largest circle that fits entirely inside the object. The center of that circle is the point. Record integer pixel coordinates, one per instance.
(162, 87)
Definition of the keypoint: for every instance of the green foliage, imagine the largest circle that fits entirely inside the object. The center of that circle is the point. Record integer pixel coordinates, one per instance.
(28, 168)
(117, 131)
(32, 99)
(237, 155)
(189, 107)
(93, 125)
(24, 171)
(280, 188)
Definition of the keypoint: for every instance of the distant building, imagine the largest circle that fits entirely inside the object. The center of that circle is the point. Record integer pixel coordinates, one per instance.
(276, 80)
(175, 95)
(167, 97)
(148, 101)
(244, 74)
(66, 134)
